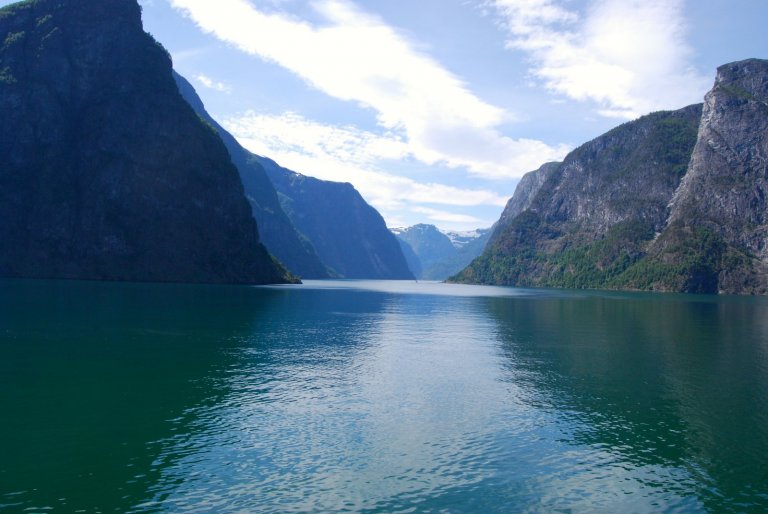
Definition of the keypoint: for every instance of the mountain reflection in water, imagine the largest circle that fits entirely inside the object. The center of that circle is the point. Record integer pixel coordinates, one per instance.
(379, 397)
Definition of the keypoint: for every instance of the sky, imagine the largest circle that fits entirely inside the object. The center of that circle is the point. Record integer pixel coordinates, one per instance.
(433, 109)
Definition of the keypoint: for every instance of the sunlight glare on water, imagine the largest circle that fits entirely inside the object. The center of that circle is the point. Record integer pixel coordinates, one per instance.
(367, 396)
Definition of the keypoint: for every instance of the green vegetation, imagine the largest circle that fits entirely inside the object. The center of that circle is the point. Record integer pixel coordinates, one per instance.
(635, 169)
(13, 9)
(159, 45)
(597, 264)
(578, 266)
(13, 38)
(692, 261)
(737, 92)
(48, 36)
(6, 76)
(207, 124)
(670, 143)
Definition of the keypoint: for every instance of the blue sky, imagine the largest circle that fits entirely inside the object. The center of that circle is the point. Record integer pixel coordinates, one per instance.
(433, 109)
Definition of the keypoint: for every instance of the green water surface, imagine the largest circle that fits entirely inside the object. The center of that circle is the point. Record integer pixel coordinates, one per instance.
(379, 397)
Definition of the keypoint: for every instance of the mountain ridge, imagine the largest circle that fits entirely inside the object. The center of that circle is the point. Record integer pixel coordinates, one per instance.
(106, 173)
(349, 235)
(696, 222)
(585, 224)
(277, 232)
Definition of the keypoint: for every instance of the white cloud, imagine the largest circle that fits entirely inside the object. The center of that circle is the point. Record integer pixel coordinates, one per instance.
(354, 56)
(346, 154)
(629, 56)
(450, 217)
(292, 131)
(212, 84)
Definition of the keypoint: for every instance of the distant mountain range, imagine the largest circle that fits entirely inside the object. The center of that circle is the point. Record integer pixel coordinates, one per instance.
(277, 231)
(436, 255)
(317, 228)
(111, 169)
(674, 201)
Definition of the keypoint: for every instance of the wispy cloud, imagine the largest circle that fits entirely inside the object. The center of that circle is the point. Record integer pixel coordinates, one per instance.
(629, 56)
(212, 84)
(189, 54)
(291, 131)
(355, 56)
(347, 154)
(439, 216)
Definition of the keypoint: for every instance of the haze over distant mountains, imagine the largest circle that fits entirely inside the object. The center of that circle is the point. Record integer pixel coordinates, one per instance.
(276, 230)
(317, 228)
(436, 255)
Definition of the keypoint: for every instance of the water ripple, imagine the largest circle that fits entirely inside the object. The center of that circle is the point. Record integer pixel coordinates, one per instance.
(404, 397)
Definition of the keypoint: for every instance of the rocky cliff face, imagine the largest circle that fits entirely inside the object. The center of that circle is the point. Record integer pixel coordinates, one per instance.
(276, 230)
(105, 171)
(717, 235)
(645, 208)
(526, 191)
(592, 215)
(349, 235)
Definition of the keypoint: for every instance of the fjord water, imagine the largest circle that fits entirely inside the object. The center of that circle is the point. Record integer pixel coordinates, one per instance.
(379, 397)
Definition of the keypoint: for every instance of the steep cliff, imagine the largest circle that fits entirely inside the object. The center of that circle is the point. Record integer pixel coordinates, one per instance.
(105, 171)
(413, 261)
(526, 191)
(349, 235)
(717, 235)
(276, 231)
(315, 227)
(594, 214)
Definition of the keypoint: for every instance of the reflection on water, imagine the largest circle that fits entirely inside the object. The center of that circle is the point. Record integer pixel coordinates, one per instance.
(91, 375)
(380, 397)
(667, 392)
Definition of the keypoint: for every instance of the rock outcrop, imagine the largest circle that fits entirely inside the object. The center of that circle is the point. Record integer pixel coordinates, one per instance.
(717, 235)
(526, 191)
(105, 172)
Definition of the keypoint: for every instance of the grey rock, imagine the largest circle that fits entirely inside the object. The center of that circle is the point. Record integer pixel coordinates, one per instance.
(592, 216)
(724, 191)
(643, 207)
(526, 191)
